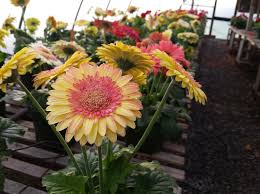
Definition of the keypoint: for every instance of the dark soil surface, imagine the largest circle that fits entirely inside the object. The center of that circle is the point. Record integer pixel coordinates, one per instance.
(223, 151)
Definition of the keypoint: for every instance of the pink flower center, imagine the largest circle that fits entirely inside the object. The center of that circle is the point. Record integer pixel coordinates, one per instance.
(95, 96)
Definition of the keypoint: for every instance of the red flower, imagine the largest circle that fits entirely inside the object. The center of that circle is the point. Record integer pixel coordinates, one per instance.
(173, 50)
(154, 38)
(122, 31)
(143, 15)
(106, 25)
(257, 20)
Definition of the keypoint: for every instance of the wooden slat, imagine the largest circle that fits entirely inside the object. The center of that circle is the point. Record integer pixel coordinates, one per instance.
(35, 155)
(31, 190)
(174, 148)
(177, 174)
(23, 172)
(13, 187)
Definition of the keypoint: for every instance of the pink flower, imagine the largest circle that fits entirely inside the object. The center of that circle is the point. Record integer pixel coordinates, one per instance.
(122, 31)
(173, 50)
(143, 15)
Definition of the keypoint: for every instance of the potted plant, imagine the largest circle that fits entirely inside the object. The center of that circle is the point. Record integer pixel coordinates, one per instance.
(239, 21)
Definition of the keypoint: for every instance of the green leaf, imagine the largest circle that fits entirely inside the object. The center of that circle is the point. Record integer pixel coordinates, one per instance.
(147, 181)
(62, 184)
(118, 169)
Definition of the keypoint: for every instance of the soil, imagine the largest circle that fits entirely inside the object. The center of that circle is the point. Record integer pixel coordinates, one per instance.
(223, 151)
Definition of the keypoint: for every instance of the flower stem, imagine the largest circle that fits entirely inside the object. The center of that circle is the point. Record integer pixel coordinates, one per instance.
(164, 85)
(44, 115)
(87, 169)
(153, 120)
(159, 81)
(22, 17)
(100, 170)
(153, 84)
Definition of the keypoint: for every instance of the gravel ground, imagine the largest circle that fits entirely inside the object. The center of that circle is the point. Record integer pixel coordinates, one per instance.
(223, 151)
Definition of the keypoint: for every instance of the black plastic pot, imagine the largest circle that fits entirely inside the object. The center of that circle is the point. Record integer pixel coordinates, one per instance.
(152, 144)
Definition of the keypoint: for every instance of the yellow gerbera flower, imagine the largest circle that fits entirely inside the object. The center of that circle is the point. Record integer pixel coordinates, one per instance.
(91, 30)
(94, 102)
(195, 24)
(189, 37)
(100, 12)
(181, 75)
(20, 3)
(8, 23)
(130, 59)
(20, 62)
(64, 49)
(32, 24)
(44, 77)
(60, 25)
(82, 23)
(3, 34)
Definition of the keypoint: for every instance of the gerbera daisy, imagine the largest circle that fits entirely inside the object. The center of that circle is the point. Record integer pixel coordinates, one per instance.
(91, 30)
(45, 54)
(189, 37)
(3, 34)
(60, 25)
(132, 9)
(100, 12)
(173, 50)
(51, 22)
(94, 102)
(195, 24)
(32, 24)
(181, 75)
(64, 49)
(44, 77)
(20, 3)
(155, 38)
(130, 59)
(123, 31)
(8, 23)
(81, 23)
(20, 61)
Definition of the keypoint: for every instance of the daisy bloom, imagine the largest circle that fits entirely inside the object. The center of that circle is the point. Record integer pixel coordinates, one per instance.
(195, 24)
(20, 61)
(3, 34)
(45, 54)
(44, 77)
(91, 30)
(94, 102)
(132, 9)
(189, 37)
(100, 12)
(64, 49)
(60, 25)
(21, 3)
(130, 59)
(173, 50)
(8, 23)
(181, 75)
(81, 23)
(32, 24)
(51, 22)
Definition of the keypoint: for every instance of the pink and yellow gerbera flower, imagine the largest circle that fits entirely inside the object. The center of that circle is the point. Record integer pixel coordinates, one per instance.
(93, 102)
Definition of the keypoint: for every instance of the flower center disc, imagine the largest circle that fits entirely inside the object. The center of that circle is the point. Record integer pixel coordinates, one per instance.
(95, 96)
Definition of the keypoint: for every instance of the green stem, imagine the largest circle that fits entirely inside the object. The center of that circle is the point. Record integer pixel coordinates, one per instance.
(44, 115)
(87, 169)
(153, 120)
(159, 82)
(22, 17)
(164, 85)
(153, 84)
(100, 170)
